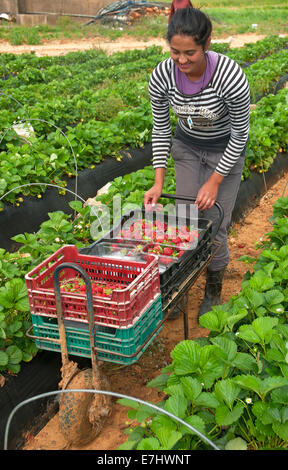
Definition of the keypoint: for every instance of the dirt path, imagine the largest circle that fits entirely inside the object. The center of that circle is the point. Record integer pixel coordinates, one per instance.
(131, 380)
(61, 47)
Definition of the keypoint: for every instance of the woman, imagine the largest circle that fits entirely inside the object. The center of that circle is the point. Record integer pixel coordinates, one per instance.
(177, 5)
(210, 95)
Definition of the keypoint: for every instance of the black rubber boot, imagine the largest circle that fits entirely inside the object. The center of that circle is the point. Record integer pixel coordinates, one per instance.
(213, 288)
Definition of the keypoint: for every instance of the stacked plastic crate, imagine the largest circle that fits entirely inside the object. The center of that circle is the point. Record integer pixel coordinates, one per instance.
(125, 322)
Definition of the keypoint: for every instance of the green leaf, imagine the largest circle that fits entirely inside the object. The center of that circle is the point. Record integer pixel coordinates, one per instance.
(281, 430)
(211, 371)
(194, 421)
(144, 412)
(186, 357)
(272, 415)
(261, 387)
(259, 409)
(14, 368)
(175, 389)
(167, 438)
(278, 309)
(274, 355)
(3, 359)
(273, 297)
(270, 254)
(14, 354)
(265, 430)
(159, 382)
(214, 320)
(225, 417)
(176, 405)
(235, 318)
(191, 387)
(226, 349)
(76, 205)
(128, 445)
(284, 414)
(264, 327)
(260, 331)
(226, 391)
(248, 333)
(236, 444)
(254, 298)
(15, 326)
(280, 395)
(207, 400)
(261, 282)
(163, 421)
(150, 443)
(245, 362)
(2, 333)
(129, 403)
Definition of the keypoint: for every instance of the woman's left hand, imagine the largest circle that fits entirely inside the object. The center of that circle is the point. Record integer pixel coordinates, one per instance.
(207, 194)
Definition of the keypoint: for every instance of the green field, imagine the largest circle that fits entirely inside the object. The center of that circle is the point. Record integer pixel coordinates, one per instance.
(228, 18)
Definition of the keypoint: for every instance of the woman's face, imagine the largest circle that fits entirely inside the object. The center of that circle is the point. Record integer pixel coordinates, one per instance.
(187, 55)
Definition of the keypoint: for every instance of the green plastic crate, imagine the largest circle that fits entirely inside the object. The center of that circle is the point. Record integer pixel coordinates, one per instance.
(110, 342)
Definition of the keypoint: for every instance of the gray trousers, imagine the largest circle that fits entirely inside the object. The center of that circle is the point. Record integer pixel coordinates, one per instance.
(193, 167)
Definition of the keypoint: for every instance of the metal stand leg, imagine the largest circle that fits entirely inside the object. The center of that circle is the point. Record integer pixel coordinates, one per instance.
(186, 315)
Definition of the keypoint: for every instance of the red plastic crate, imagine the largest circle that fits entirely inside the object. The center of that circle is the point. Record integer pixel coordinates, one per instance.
(140, 280)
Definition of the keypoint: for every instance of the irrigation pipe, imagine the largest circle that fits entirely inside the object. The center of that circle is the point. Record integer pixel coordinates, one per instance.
(103, 392)
(55, 186)
(60, 130)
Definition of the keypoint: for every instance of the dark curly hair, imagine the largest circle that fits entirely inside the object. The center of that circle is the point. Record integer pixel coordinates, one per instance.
(190, 22)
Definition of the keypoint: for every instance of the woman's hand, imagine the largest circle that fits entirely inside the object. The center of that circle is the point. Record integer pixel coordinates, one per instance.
(207, 194)
(152, 195)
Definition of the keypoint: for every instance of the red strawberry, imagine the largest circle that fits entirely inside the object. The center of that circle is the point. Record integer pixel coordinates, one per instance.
(167, 251)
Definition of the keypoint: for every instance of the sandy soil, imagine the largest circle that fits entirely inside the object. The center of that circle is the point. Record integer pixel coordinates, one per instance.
(62, 47)
(131, 380)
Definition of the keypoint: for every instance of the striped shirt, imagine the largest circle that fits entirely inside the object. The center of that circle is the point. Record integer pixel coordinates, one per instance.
(219, 111)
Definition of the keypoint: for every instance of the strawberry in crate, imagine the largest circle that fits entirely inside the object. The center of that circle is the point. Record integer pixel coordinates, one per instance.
(78, 285)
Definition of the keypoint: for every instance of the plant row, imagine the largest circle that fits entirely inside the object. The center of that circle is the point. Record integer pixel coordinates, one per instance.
(15, 347)
(113, 118)
(65, 106)
(90, 74)
(231, 386)
(268, 138)
(49, 159)
(12, 64)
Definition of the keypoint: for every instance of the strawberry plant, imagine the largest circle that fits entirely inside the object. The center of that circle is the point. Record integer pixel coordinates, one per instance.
(232, 385)
(103, 116)
(14, 322)
(59, 229)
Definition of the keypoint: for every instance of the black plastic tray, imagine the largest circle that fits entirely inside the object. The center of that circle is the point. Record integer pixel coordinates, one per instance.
(188, 259)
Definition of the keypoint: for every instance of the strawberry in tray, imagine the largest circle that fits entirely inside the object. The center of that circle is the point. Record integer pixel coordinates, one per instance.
(159, 232)
(167, 254)
(77, 285)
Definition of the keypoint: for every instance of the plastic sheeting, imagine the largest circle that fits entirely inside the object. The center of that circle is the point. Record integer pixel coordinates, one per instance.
(122, 11)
